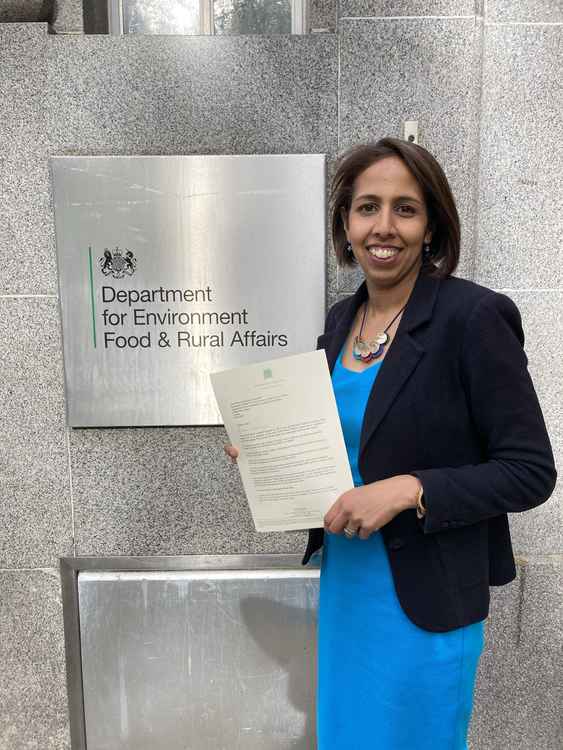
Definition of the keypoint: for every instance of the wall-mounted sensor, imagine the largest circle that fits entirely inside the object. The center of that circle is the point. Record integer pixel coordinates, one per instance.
(410, 131)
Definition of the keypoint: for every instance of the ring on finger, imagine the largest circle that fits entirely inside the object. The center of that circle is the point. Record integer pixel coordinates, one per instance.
(350, 532)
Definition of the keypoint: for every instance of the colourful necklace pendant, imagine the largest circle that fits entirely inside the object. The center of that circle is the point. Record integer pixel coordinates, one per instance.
(367, 351)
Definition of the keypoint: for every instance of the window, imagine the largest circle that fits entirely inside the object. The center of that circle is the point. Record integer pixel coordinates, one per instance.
(213, 17)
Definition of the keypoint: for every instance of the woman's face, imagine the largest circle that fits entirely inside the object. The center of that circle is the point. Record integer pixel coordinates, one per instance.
(387, 224)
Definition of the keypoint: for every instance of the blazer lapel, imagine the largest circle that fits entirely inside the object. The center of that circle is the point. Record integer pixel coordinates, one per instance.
(402, 358)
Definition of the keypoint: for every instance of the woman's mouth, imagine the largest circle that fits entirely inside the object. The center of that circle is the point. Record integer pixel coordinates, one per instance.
(382, 252)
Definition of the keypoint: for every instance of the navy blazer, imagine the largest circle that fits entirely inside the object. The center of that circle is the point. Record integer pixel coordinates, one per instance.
(453, 404)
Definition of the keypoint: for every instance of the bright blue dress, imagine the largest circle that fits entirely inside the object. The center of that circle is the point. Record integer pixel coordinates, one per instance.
(384, 683)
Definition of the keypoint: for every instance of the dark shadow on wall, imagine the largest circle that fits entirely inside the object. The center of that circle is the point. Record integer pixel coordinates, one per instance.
(26, 11)
(288, 636)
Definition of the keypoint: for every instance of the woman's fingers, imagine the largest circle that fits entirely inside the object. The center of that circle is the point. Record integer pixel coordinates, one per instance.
(331, 514)
(340, 513)
(336, 518)
(356, 510)
(336, 526)
(232, 452)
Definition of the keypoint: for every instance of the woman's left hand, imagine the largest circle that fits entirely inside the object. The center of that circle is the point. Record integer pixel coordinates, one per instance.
(371, 506)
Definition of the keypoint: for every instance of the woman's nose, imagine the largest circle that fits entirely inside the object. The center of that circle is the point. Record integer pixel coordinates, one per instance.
(383, 222)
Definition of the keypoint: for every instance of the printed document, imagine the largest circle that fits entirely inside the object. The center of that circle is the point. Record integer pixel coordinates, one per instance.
(283, 418)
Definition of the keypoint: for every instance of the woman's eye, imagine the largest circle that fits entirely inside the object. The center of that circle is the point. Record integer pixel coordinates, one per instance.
(405, 209)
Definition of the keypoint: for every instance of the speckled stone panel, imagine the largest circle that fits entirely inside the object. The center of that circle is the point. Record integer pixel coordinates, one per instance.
(501, 639)
(524, 11)
(542, 605)
(322, 15)
(26, 238)
(196, 95)
(33, 697)
(365, 8)
(520, 220)
(540, 531)
(35, 512)
(67, 17)
(519, 690)
(425, 70)
(163, 491)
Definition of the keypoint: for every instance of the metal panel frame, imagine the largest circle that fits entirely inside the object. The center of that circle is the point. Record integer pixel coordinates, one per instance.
(115, 17)
(70, 567)
(299, 16)
(206, 25)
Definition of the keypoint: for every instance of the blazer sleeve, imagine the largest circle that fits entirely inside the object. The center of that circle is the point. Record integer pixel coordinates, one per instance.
(518, 471)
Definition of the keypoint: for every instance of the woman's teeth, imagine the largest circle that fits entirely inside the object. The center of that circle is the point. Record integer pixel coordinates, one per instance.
(382, 252)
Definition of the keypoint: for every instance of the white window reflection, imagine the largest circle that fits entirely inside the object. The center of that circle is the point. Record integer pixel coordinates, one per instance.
(204, 16)
(252, 16)
(161, 16)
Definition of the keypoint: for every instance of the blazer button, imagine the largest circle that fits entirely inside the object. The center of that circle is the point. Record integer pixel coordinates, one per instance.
(396, 543)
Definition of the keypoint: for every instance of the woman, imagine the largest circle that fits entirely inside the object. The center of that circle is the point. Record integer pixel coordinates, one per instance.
(445, 436)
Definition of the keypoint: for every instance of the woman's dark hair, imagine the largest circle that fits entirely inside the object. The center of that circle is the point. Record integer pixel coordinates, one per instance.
(443, 218)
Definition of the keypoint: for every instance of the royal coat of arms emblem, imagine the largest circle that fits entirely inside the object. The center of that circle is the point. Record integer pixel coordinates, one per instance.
(116, 264)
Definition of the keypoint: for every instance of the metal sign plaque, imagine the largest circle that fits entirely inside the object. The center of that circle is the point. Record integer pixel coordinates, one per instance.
(173, 267)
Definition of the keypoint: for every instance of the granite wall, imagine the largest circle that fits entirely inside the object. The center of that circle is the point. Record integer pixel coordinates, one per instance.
(484, 84)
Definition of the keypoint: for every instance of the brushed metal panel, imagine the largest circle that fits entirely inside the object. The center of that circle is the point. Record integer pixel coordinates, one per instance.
(199, 659)
(240, 237)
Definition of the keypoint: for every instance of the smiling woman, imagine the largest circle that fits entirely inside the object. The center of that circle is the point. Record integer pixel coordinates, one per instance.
(387, 224)
(444, 435)
(390, 201)
(426, 190)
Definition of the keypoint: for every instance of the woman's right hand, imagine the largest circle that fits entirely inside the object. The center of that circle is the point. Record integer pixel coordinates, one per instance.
(232, 452)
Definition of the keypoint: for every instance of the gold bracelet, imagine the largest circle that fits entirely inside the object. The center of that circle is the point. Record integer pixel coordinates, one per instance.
(420, 509)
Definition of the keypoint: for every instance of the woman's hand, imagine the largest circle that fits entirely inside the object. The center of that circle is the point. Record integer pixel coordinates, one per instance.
(232, 452)
(371, 506)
